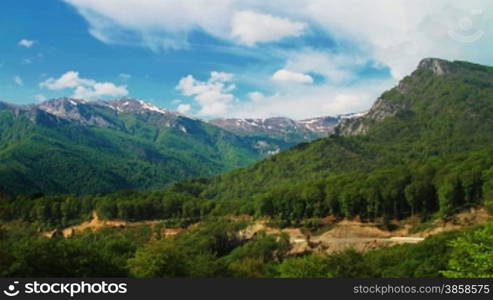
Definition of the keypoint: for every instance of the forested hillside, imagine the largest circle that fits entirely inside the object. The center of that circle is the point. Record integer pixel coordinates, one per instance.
(73, 146)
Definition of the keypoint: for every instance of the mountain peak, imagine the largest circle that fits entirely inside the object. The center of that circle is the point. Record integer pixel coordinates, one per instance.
(418, 94)
(135, 105)
(62, 101)
(279, 127)
(437, 66)
(61, 106)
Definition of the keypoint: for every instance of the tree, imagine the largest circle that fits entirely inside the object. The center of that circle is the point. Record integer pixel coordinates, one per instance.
(419, 195)
(311, 266)
(162, 258)
(450, 195)
(488, 189)
(472, 255)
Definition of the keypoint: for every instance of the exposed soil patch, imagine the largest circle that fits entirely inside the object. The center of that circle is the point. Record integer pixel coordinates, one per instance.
(473, 216)
(96, 223)
(346, 233)
(364, 236)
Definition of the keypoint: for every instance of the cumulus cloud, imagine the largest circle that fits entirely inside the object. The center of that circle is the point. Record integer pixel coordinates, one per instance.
(70, 79)
(256, 96)
(336, 68)
(99, 90)
(184, 108)
(40, 98)
(313, 101)
(26, 43)
(18, 80)
(84, 88)
(250, 27)
(214, 96)
(284, 75)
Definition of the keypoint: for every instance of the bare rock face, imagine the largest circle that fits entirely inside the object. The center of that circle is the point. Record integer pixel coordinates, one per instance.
(130, 105)
(322, 126)
(381, 110)
(437, 66)
(273, 126)
(386, 108)
(74, 110)
(98, 113)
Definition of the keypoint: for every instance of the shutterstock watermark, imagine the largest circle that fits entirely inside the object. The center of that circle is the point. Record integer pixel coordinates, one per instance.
(70, 289)
(465, 30)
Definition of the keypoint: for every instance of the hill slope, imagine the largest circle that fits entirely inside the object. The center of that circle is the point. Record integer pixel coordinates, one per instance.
(442, 108)
(424, 147)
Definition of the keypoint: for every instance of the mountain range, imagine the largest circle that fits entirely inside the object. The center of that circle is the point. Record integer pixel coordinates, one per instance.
(290, 131)
(70, 145)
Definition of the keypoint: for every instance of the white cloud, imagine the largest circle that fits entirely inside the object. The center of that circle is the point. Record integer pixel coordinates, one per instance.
(40, 98)
(284, 75)
(396, 33)
(336, 68)
(220, 77)
(214, 95)
(26, 43)
(184, 108)
(256, 96)
(392, 34)
(313, 101)
(99, 90)
(70, 79)
(161, 24)
(84, 88)
(18, 80)
(250, 27)
(153, 23)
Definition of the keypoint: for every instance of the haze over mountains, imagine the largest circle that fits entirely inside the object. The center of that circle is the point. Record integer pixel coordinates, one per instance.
(76, 146)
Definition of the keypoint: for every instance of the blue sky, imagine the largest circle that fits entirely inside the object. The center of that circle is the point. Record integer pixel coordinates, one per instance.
(225, 58)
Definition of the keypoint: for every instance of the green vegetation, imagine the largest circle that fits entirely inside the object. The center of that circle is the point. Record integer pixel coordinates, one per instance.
(138, 151)
(214, 249)
(472, 255)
